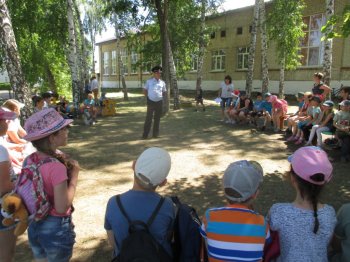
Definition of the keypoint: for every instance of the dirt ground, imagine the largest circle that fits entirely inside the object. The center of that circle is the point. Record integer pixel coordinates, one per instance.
(200, 147)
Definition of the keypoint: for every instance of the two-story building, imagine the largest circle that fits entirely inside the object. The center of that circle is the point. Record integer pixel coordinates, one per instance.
(227, 54)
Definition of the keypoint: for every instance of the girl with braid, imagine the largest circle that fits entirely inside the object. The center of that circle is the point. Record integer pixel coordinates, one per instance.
(53, 237)
(305, 226)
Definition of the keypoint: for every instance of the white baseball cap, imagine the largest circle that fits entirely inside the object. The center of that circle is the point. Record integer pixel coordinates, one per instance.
(153, 166)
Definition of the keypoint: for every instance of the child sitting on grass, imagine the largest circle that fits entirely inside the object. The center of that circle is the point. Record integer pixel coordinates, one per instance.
(305, 226)
(236, 232)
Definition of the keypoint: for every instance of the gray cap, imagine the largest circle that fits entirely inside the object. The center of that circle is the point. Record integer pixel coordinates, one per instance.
(345, 103)
(244, 177)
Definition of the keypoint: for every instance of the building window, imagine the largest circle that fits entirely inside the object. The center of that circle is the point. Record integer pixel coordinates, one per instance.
(242, 57)
(106, 63)
(223, 33)
(124, 61)
(114, 62)
(311, 44)
(218, 60)
(239, 30)
(250, 28)
(134, 62)
(212, 35)
(194, 63)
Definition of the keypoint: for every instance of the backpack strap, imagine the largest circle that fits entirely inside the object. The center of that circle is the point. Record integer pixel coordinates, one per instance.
(119, 203)
(155, 212)
(150, 220)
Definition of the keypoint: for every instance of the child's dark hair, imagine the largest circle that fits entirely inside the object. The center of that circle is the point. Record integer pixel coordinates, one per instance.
(229, 78)
(258, 94)
(36, 99)
(310, 192)
(346, 89)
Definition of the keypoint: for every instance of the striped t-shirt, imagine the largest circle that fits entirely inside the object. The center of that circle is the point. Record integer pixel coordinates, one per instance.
(235, 233)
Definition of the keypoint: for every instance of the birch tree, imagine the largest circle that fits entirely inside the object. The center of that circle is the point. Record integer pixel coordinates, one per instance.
(82, 50)
(252, 47)
(120, 62)
(12, 60)
(94, 23)
(328, 45)
(285, 27)
(72, 53)
(202, 46)
(169, 70)
(264, 63)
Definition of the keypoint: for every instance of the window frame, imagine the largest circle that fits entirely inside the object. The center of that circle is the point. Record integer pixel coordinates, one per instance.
(245, 56)
(106, 63)
(114, 62)
(308, 32)
(220, 58)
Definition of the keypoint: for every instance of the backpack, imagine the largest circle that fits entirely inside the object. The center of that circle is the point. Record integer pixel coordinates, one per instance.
(140, 245)
(188, 245)
(30, 187)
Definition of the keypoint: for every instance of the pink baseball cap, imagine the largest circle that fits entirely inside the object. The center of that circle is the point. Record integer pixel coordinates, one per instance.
(310, 160)
(44, 123)
(7, 114)
(272, 98)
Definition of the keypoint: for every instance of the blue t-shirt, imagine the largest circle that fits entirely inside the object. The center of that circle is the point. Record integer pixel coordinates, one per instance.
(139, 205)
(257, 105)
(300, 105)
(267, 106)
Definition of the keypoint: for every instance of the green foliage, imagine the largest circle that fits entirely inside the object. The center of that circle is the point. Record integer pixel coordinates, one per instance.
(285, 27)
(41, 34)
(184, 27)
(338, 25)
(5, 86)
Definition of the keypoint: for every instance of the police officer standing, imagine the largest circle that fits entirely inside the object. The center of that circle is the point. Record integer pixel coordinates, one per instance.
(154, 90)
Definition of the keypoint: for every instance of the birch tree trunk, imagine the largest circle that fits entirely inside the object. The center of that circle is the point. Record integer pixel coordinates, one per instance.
(281, 83)
(72, 54)
(201, 48)
(13, 62)
(82, 51)
(264, 64)
(252, 46)
(120, 62)
(328, 45)
(169, 70)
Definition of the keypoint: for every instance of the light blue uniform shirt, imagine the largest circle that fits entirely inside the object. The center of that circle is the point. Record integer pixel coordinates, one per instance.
(155, 89)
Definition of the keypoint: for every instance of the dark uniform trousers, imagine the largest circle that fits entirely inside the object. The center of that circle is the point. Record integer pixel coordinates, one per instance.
(153, 108)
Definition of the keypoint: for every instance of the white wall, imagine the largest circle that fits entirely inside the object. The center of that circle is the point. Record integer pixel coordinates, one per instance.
(291, 87)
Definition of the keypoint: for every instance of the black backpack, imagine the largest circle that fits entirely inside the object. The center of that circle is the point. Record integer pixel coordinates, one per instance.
(140, 245)
(188, 243)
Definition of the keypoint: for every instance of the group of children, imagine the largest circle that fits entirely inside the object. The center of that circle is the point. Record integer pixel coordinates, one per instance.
(315, 115)
(305, 227)
(236, 232)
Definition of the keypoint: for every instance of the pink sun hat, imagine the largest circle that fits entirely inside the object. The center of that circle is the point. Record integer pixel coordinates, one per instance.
(7, 114)
(44, 123)
(310, 160)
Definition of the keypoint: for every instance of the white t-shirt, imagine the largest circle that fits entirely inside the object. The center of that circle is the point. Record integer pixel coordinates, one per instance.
(5, 157)
(155, 89)
(226, 90)
(14, 125)
(94, 84)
